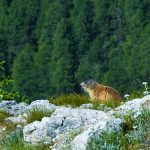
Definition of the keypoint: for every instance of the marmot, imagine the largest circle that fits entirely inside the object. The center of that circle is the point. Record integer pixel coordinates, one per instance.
(100, 92)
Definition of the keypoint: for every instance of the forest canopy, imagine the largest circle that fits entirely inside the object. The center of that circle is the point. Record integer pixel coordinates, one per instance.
(50, 46)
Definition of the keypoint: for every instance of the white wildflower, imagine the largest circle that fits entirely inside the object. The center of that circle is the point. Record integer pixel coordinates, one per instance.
(46, 142)
(134, 127)
(144, 83)
(126, 96)
(4, 128)
(145, 92)
(18, 126)
(137, 114)
(54, 140)
(127, 135)
(25, 115)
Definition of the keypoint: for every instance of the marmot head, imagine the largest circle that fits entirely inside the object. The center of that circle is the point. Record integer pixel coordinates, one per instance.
(88, 85)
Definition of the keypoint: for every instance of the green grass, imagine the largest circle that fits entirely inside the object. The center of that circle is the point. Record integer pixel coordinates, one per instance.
(3, 115)
(37, 114)
(112, 104)
(73, 100)
(76, 100)
(15, 141)
(133, 139)
(4, 124)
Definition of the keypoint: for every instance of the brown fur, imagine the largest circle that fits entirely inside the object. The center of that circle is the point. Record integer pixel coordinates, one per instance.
(100, 92)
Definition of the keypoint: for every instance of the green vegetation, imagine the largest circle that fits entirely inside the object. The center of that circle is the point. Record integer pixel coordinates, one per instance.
(133, 139)
(50, 46)
(37, 114)
(143, 91)
(76, 100)
(73, 100)
(4, 124)
(4, 114)
(51, 54)
(69, 137)
(6, 88)
(15, 141)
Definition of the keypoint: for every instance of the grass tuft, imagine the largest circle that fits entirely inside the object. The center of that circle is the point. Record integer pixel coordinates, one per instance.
(3, 115)
(76, 100)
(37, 114)
(15, 141)
(73, 100)
(5, 126)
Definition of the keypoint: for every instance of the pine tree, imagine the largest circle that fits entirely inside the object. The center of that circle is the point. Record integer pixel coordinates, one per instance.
(22, 23)
(44, 32)
(23, 74)
(17, 30)
(82, 17)
(62, 71)
(3, 33)
(69, 41)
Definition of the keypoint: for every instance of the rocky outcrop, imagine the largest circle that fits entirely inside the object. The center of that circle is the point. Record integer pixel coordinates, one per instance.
(134, 106)
(42, 104)
(20, 119)
(16, 109)
(12, 107)
(69, 128)
(80, 141)
(67, 119)
(102, 107)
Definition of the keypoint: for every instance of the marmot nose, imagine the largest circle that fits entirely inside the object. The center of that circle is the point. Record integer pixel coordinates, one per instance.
(82, 83)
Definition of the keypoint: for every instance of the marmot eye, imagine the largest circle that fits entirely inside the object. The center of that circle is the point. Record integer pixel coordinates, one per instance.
(86, 82)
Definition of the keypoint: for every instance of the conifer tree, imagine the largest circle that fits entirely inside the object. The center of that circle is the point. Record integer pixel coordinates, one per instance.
(62, 71)
(23, 74)
(22, 23)
(68, 41)
(3, 30)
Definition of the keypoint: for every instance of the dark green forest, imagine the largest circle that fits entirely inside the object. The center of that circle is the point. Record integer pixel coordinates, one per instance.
(50, 46)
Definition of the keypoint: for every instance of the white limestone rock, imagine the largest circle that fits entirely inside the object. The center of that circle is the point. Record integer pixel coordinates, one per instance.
(35, 132)
(61, 121)
(16, 120)
(86, 106)
(18, 109)
(5, 104)
(12, 107)
(135, 106)
(63, 141)
(101, 107)
(94, 131)
(42, 104)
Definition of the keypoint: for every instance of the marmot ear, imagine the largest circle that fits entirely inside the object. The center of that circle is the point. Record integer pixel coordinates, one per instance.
(93, 84)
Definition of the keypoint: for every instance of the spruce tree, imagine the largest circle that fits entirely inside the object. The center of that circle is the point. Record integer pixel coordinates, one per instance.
(62, 71)
(3, 30)
(23, 74)
(22, 23)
